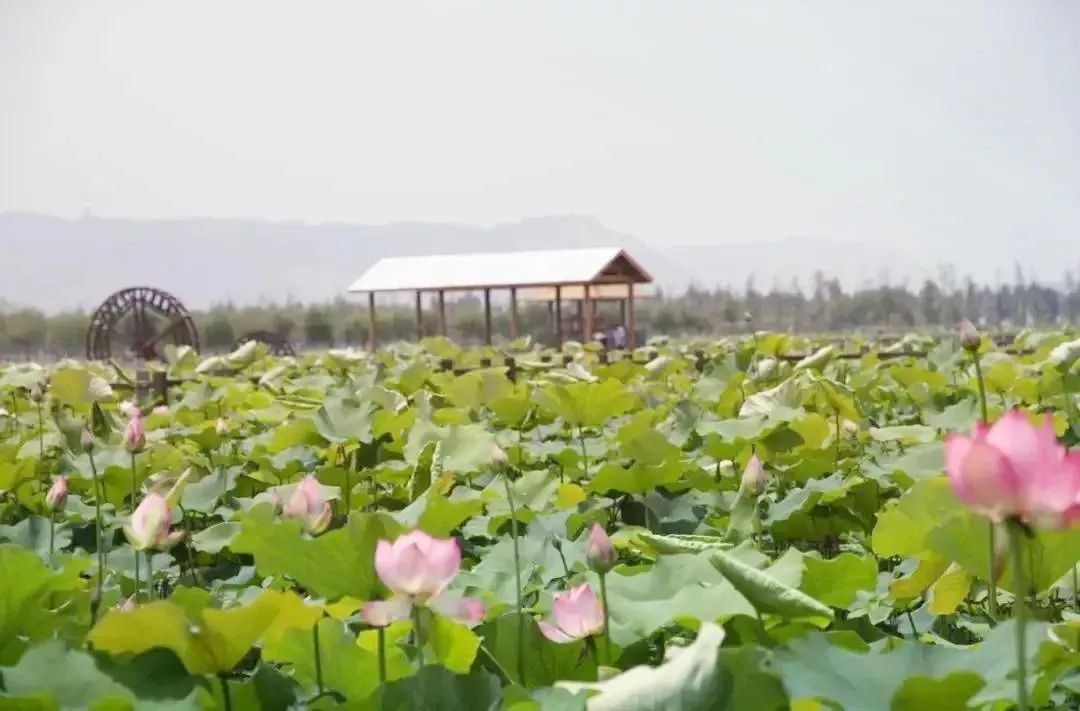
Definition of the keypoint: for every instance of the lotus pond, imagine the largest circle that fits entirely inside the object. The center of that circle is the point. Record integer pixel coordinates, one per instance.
(706, 526)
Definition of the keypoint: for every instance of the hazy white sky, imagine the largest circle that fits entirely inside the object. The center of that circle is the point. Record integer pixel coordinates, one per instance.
(678, 121)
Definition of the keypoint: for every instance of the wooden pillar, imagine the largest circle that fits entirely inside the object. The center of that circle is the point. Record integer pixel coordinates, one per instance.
(513, 313)
(622, 312)
(558, 318)
(487, 316)
(442, 313)
(587, 321)
(419, 317)
(373, 341)
(631, 335)
(581, 320)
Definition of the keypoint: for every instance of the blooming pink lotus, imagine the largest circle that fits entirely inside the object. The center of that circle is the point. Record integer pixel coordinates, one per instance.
(578, 614)
(417, 568)
(150, 523)
(308, 504)
(598, 550)
(56, 497)
(134, 434)
(1014, 469)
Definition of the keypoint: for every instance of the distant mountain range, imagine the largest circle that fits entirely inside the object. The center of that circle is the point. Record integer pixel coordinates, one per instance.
(56, 264)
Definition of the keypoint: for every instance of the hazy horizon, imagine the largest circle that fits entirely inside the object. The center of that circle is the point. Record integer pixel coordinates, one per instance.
(683, 123)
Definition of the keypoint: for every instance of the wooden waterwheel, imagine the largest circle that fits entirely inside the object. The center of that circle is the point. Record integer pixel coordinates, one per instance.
(138, 322)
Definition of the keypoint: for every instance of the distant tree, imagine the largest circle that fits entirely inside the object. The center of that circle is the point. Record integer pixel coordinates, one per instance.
(218, 334)
(67, 333)
(27, 329)
(317, 327)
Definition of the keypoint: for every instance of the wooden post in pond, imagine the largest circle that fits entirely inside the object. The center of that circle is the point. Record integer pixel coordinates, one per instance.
(373, 341)
(631, 327)
(487, 316)
(513, 313)
(558, 318)
(442, 313)
(419, 316)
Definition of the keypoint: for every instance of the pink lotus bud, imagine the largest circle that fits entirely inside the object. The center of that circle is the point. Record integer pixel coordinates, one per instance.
(134, 434)
(87, 440)
(417, 566)
(150, 523)
(598, 550)
(970, 338)
(753, 477)
(308, 504)
(578, 614)
(1014, 469)
(56, 497)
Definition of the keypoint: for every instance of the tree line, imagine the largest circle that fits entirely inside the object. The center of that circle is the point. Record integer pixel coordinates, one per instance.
(822, 306)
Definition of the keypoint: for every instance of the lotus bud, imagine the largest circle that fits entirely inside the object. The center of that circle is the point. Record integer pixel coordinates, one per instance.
(850, 428)
(87, 440)
(970, 338)
(134, 434)
(56, 497)
(221, 427)
(36, 393)
(598, 550)
(753, 478)
(161, 410)
(308, 504)
(150, 523)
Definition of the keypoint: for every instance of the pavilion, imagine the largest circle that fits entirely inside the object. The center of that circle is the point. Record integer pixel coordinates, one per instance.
(582, 275)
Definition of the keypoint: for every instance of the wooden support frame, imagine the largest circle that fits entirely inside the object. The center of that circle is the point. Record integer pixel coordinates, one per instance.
(419, 316)
(631, 327)
(373, 339)
(513, 313)
(558, 318)
(442, 313)
(586, 309)
(487, 316)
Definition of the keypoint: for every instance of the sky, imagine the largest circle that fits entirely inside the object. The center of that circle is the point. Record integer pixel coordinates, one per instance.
(680, 122)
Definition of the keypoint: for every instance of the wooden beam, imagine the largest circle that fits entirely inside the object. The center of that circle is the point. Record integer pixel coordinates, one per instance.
(587, 321)
(419, 316)
(631, 334)
(373, 340)
(487, 316)
(558, 318)
(442, 313)
(513, 313)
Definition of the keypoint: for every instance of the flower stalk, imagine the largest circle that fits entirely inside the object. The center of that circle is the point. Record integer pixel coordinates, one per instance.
(1016, 543)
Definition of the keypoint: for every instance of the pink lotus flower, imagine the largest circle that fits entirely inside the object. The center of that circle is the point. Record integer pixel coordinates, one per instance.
(161, 410)
(127, 605)
(598, 550)
(56, 497)
(578, 614)
(753, 477)
(150, 523)
(308, 504)
(1014, 469)
(134, 434)
(417, 568)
